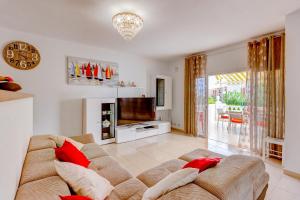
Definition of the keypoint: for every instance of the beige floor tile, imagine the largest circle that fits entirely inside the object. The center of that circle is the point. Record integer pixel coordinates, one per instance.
(290, 184)
(280, 194)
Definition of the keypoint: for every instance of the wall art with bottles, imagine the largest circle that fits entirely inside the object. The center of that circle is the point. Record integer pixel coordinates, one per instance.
(82, 71)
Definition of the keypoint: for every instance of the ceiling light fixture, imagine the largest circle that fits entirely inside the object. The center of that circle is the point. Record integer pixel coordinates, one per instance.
(127, 24)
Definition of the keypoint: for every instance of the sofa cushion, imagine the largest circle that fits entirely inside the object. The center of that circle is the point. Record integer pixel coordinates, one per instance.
(154, 175)
(233, 178)
(190, 192)
(46, 189)
(38, 165)
(93, 150)
(102, 162)
(131, 189)
(110, 169)
(200, 153)
(173, 165)
(40, 142)
(40, 155)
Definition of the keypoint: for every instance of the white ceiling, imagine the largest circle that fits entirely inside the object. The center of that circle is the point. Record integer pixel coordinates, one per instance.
(171, 27)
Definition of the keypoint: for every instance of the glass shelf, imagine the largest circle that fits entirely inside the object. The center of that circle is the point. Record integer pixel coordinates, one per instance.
(108, 121)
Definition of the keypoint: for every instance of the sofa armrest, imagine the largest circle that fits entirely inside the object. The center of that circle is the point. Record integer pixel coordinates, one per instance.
(84, 139)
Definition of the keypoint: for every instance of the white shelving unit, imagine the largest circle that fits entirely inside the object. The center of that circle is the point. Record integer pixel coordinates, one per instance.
(163, 92)
(99, 119)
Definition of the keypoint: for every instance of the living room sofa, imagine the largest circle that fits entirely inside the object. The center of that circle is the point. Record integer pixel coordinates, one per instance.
(236, 177)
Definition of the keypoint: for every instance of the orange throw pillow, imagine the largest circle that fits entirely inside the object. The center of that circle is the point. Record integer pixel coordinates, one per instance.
(236, 120)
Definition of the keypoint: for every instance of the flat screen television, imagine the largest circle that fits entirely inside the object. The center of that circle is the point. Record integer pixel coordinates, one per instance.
(135, 110)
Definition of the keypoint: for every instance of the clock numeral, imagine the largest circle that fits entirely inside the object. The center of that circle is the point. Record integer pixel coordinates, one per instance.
(22, 46)
(11, 60)
(17, 62)
(9, 54)
(35, 57)
(23, 64)
(29, 64)
(15, 46)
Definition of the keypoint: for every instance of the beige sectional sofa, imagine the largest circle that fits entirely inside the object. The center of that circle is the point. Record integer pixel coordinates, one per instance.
(235, 178)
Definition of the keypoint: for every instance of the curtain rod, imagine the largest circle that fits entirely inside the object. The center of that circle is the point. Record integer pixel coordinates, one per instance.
(276, 34)
(195, 54)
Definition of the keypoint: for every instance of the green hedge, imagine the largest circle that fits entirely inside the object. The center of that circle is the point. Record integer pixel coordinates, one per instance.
(212, 100)
(234, 99)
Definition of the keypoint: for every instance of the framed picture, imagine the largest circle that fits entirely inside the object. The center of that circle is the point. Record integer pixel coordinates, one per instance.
(82, 71)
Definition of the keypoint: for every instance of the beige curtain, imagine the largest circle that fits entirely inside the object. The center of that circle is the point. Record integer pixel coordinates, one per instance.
(266, 84)
(195, 67)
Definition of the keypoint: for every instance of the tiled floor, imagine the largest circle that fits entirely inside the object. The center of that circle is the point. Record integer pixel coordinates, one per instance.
(143, 154)
(234, 135)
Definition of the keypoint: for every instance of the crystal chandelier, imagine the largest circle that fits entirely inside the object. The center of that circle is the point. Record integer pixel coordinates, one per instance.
(127, 24)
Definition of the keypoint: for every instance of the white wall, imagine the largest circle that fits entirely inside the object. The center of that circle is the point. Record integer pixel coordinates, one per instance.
(291, 156)
(224, 60)
(57, 105)
(227, 60)
(177, 74)
(16, 121)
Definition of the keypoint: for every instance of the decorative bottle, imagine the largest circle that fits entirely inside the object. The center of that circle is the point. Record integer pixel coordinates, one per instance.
(89, 71)
(107, 73)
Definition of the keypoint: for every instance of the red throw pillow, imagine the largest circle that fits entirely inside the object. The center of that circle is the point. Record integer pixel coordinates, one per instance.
(224, 117)
(202, 163)
(69, 153)
(74, 197)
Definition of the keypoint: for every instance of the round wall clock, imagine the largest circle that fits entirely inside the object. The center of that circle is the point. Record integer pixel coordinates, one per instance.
(21, 55)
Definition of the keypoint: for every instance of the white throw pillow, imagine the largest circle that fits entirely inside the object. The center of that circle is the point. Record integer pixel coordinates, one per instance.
(83, 181)
(59, 140)
(171, 182)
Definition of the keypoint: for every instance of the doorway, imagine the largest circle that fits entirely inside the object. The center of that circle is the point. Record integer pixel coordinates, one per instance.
(227, 109)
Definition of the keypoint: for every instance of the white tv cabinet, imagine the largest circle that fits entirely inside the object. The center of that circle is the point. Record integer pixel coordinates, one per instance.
(126, 133)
